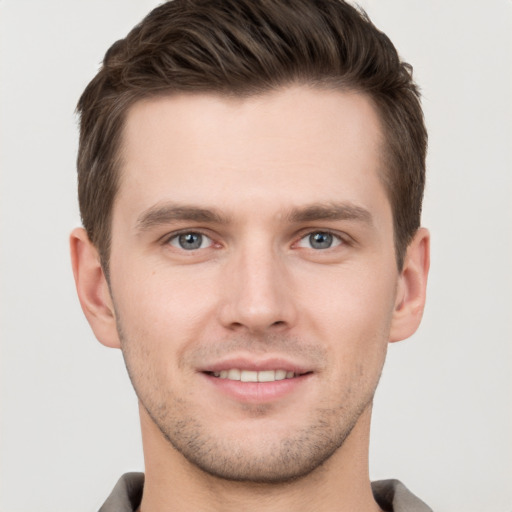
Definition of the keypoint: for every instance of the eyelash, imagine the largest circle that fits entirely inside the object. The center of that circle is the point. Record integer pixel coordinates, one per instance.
(338, 239)
(175, 236)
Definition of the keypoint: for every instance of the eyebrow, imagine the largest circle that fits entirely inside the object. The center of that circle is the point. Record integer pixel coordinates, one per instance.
(330, 211)
(162, 214)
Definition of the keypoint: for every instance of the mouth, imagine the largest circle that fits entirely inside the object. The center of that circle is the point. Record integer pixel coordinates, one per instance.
(256, 379)
(236, 374)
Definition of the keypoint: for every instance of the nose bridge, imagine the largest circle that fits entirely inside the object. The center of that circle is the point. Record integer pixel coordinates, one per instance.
(257, 289)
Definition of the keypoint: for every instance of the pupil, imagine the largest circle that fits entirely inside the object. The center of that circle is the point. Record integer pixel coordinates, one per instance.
(191, 240)
(320, 240)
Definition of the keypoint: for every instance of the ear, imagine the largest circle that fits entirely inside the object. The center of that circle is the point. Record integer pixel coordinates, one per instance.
(411, 290)
(92, 288)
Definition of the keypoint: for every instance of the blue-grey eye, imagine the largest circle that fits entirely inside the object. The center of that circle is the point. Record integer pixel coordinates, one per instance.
(319, 240)
(190, 241)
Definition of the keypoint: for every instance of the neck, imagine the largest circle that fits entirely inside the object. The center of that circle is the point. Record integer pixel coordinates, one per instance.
(172, 483)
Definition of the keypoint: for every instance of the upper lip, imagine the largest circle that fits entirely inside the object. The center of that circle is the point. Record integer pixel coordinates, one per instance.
(256, 364)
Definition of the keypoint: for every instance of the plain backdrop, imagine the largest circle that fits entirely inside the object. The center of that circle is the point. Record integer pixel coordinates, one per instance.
(443, 413)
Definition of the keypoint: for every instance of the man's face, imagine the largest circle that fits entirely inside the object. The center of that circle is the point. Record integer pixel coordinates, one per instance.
(253, 241)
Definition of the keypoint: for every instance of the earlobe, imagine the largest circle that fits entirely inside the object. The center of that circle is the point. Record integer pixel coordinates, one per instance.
(92, 288)
(412, 285)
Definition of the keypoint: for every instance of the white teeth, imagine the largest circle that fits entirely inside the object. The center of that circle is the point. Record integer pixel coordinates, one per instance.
(234, 374)
(280, 374)
(248, 376)
(267, 376)
(254, 376)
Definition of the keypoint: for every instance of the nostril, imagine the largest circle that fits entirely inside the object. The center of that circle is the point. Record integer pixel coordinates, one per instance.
(237, 325)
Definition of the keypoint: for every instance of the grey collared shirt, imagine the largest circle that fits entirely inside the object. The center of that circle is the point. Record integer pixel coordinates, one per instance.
(391, 495)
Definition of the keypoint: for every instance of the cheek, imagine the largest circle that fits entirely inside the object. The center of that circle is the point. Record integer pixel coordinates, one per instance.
(357, 331)
(162, 308)
(352, 312)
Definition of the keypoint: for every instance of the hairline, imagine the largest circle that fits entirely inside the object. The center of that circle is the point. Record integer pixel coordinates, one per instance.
(384, 172)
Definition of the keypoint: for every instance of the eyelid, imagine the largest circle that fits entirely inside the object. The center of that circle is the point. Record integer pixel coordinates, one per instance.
(345, 240)
(342, 237)
(306, 239)
(166, 239)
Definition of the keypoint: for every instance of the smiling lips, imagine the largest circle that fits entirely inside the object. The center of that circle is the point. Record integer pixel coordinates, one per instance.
(255, 376)
(257, 382)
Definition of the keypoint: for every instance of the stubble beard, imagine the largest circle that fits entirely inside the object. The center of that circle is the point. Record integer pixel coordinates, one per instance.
(278, 460)
(281, 461)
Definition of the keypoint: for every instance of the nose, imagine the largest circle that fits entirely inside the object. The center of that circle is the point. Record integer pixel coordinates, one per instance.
(258, 295)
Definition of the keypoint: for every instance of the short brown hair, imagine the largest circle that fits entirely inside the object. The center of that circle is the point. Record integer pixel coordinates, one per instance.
(245, 47)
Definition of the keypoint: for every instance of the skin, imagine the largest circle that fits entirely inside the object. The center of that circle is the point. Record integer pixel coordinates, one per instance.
(258, 179)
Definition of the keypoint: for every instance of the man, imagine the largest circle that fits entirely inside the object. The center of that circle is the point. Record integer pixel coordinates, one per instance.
(250, 181)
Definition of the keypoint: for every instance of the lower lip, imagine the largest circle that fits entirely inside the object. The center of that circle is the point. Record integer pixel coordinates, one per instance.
(257, 392)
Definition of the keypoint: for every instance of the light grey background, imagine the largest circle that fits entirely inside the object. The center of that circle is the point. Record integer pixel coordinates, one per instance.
(443, 414)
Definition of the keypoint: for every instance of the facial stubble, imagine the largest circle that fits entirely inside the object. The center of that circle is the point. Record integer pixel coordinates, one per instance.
(274, 460)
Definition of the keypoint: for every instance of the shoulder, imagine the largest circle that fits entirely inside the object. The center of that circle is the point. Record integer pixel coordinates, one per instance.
(126, 495)
(393, 496)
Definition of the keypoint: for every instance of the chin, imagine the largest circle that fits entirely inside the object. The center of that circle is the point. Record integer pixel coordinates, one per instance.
(262, 454)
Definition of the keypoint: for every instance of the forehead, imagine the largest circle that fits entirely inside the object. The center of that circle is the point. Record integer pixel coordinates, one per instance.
(282, 147)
